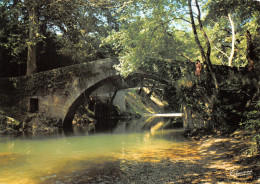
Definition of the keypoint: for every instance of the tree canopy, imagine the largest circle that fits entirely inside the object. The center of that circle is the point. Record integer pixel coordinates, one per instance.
(140, 32)
(162, 29)
(54, 33)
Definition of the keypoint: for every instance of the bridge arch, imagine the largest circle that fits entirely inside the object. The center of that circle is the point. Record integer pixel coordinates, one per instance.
(67, 122)
(117, 81)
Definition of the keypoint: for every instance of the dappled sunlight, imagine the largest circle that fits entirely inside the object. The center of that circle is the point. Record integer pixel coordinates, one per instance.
(136, 103)
(157, 101)
(142, 104)
(149, 120)
(154, 99)
(220, 154)
(64, 159)
(156, 127)
(155, 152)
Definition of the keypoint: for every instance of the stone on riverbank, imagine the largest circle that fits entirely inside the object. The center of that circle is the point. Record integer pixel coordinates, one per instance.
(9, 125)
(30, 123)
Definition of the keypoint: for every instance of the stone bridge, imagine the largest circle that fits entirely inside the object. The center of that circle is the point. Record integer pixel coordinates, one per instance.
(58, 93)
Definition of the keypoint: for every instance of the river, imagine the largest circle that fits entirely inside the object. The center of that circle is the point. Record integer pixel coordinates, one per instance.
(90, 158)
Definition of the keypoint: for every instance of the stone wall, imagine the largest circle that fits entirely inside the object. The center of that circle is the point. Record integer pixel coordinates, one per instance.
(54, 91)
(192, 119)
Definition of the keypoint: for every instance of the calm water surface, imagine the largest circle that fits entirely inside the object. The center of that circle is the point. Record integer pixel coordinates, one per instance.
(61, 158)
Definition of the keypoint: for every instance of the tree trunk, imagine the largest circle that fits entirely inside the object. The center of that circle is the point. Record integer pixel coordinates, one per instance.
(205, 56)
(33, 32)
(250, 52)
(233, 41)
(195, 33)
(2, 69)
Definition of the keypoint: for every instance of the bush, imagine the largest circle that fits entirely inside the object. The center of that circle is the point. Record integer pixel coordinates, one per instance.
(252, 123)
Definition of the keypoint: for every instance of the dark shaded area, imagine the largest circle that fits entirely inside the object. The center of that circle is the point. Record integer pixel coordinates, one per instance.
(47, 54)
(76, 104)
(33, 105)
(106, 110)
(106, 125)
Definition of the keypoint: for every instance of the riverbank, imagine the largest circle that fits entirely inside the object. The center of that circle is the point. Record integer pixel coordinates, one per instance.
(14, 121)
(221, 160)
(212, 159)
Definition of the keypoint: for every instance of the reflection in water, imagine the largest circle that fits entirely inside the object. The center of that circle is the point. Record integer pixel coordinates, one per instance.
(56, 158)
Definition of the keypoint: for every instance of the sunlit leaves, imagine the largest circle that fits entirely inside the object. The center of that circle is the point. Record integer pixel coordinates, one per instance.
(148, 34)
(244, 14)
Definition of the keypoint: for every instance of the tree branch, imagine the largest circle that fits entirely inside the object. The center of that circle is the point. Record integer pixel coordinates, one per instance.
(205, 57)
(220, 51)
(195, 32)
(233, 41)
(204, 34)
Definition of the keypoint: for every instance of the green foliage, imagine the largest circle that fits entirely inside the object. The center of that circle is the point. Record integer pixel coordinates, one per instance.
(64, 32)
(149, 33)
(82, 32)
(245, 16)
(12, 33)
(252, 121)
(154, 32)
(244, 8)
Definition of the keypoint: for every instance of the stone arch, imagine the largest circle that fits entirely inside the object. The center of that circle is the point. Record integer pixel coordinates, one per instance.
(115, 80)
(67, 122)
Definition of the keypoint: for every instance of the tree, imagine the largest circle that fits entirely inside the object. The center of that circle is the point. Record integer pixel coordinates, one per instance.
(32, 7)
(149, 33)
(12, 34)
(205, 55)
(153, 31)
(226, 38)
(74, 28)
(233, 40)
(78, 21)
(81, 36)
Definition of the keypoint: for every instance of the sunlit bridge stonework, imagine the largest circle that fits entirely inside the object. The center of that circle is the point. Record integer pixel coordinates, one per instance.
(58, 93)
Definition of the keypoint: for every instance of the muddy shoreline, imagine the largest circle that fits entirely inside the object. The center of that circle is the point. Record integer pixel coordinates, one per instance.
(218, 159)
(221, 157)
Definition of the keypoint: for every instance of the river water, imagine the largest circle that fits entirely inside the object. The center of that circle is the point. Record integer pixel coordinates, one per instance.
(89, 157)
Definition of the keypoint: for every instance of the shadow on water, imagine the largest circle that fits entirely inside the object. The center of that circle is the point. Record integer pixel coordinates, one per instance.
(103, 125)
(79, 155)
(106, 125)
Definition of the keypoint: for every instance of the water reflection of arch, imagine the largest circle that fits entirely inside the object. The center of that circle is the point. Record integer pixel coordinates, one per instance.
(117, 81)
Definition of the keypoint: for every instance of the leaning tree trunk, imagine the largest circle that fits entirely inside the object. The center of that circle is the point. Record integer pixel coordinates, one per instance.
(32, 43)
(205, 55)
(209, 100)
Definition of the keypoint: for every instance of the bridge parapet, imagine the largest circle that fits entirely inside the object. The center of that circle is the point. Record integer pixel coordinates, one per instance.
(57, 93)
(54, 89)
